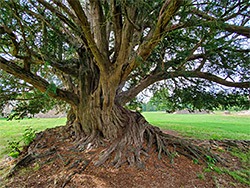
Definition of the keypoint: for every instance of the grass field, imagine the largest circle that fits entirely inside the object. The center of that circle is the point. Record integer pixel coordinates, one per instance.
(200, 126)
(13, 130)
(203, 126)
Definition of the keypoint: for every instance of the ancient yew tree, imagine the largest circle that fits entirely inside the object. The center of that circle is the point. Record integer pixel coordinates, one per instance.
(97, 55)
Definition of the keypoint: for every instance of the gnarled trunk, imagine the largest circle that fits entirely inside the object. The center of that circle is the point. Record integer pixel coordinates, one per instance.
(126, 137)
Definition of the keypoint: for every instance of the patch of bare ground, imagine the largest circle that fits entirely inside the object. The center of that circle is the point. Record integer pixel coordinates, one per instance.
(59, 164)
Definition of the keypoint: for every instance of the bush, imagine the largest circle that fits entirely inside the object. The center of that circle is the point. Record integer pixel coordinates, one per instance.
(14, 147)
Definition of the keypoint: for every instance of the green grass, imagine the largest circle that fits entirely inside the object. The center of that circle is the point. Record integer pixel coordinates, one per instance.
(203, 126)
(200, 126)
(13, 130)
(242, 174)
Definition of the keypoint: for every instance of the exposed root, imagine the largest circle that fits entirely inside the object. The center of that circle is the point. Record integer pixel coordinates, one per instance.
(126, 150)
(27, 159)
(139, 143)
(139, 139)
(78, 171)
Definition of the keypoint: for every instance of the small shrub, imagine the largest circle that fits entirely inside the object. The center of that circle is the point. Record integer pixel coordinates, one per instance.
(29, 135)
(14, 147)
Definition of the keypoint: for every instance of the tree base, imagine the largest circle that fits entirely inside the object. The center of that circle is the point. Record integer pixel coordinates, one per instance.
(58, 149)
(61, 143)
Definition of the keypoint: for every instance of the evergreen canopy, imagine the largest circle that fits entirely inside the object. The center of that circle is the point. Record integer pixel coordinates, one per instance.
(41, 40)
(191, 44)
(97, 55)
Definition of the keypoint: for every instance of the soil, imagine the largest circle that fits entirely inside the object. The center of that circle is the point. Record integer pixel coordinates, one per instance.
(58, 164)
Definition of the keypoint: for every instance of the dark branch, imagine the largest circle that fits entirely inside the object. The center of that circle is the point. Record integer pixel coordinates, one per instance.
(37, 81)
(72, 42)
(101, 61)
(67, 66)
(58, 14)
(65, 9)
(214, 78)
(4, 29)
(245, 31)
(99, 26)
(130, 20)
(117, 24)
(168, 10)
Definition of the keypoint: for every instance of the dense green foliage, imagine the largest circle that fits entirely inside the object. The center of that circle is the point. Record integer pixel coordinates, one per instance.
(23, 99)
(204, 43)
(194, 99)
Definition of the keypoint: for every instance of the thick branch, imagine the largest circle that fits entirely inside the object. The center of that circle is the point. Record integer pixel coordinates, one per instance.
(99, 27)
(37, 81)
(144, 51)
(101, 61)
(214, 78)
(117, 24)
(126, 96)
(245, 31)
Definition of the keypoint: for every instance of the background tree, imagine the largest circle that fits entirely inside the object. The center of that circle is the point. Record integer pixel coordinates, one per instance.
(198, 99)
(98, 55)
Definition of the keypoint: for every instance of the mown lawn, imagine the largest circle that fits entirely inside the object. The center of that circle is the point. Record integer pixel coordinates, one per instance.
(203, 126)
(13, 130)
(200, 126)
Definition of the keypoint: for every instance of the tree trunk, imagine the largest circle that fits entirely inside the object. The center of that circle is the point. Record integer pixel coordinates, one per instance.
(126, 137)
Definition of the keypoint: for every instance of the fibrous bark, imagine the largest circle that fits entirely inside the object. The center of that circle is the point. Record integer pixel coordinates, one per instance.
(127, 138)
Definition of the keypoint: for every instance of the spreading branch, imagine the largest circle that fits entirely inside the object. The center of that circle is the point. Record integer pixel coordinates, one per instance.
(37, 81)
(117, 24)
(99, 27)
(128, 95)
(166, 13)
(241, 30)
(217, 79)
(101, 61)
(5, 30)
